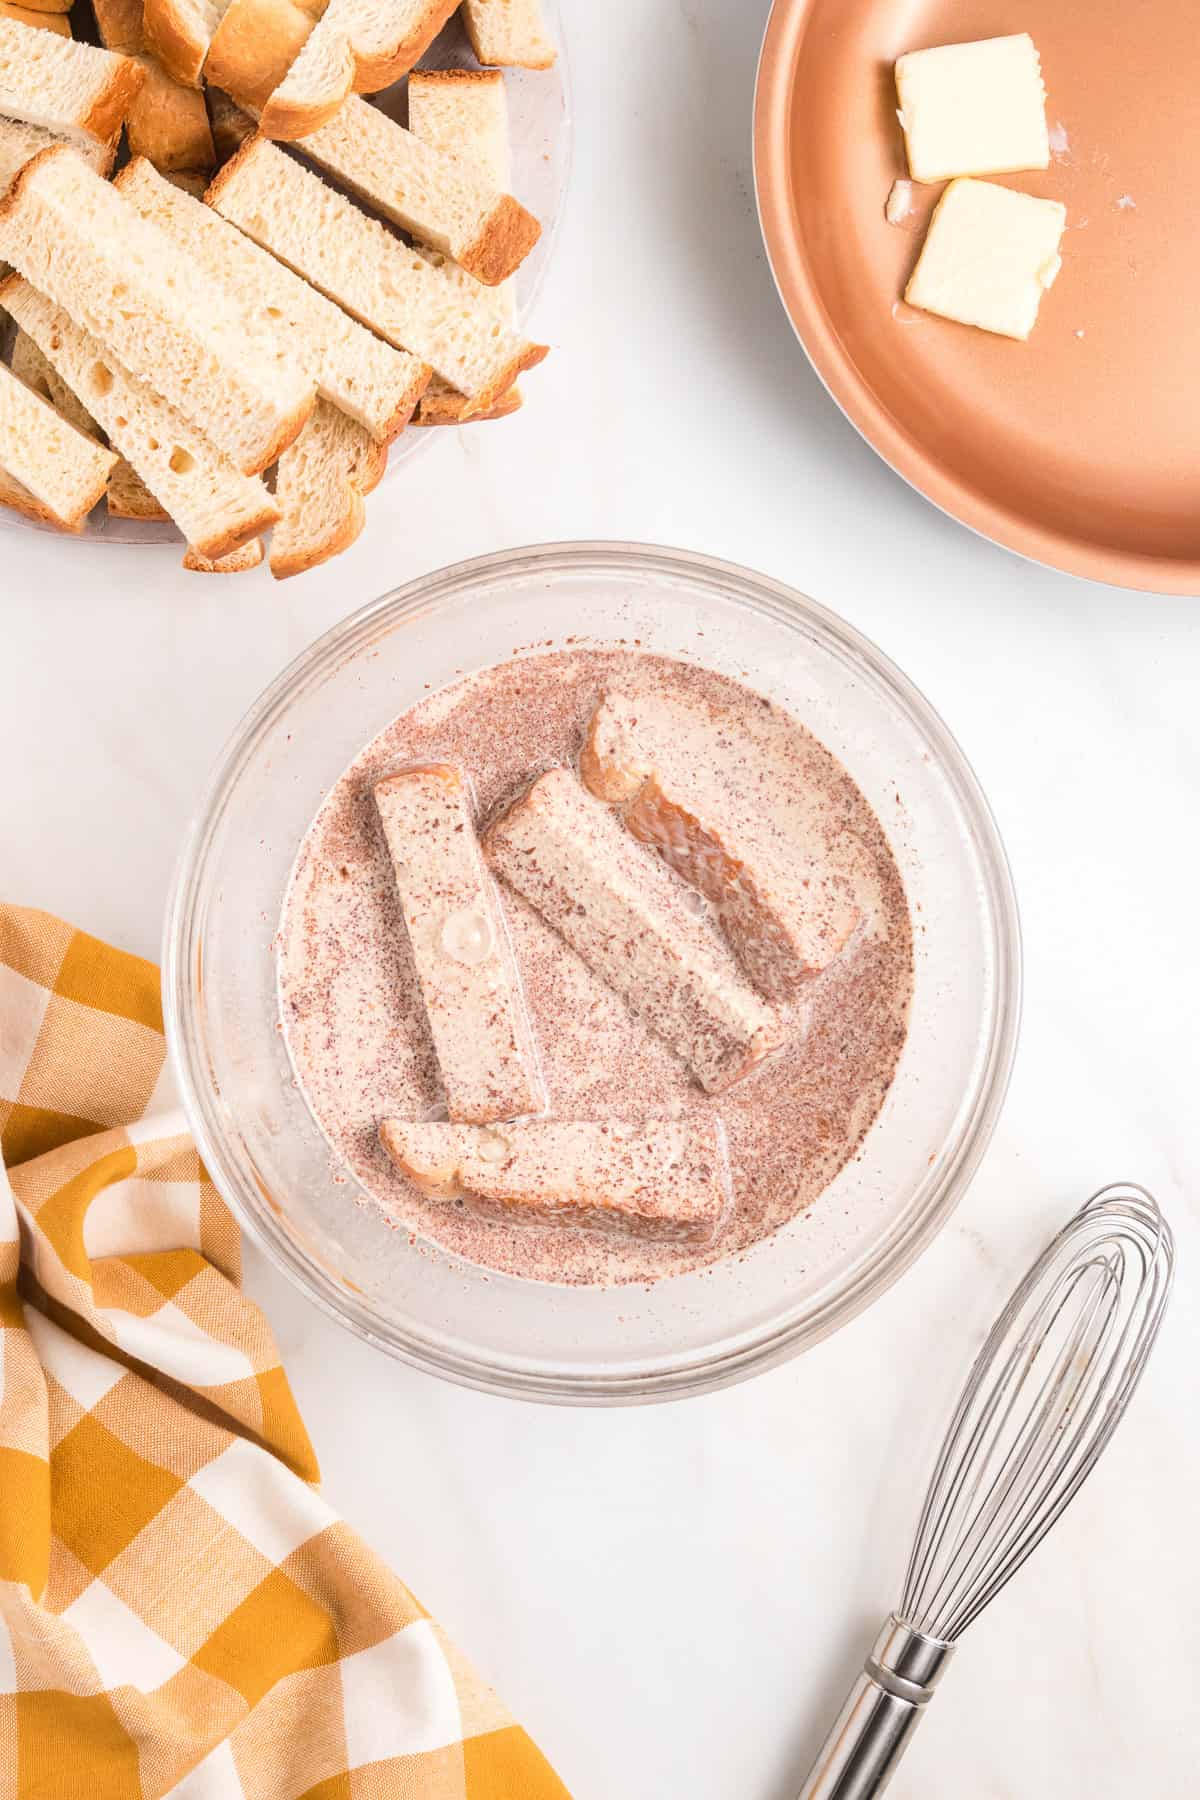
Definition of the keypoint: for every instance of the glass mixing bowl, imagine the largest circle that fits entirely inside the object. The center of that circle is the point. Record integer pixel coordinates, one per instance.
(572, 1344)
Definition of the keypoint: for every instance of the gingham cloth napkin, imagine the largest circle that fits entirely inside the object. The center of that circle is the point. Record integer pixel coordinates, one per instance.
(180, 1612)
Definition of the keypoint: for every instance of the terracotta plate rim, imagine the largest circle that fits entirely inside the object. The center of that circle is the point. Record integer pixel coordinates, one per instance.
(903, 452)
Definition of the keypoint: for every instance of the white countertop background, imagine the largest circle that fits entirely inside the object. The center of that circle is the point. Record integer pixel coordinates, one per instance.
(674, 1598)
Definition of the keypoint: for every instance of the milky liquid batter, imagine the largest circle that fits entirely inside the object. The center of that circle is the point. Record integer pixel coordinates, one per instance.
(354, 1020)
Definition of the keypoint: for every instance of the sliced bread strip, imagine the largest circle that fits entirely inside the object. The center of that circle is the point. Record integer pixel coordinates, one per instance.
(128, 497)
(358, 46)
(444, 202)
(511, 33)
(319, 488)
(179, 33)
(20, 143)
(73, 89)
(236, 563)
(618, 908)
(215, 506)
(665, 1181)
(464, 112)
(18, 499)
(73, 236)
(368, 379)
(461, 952)
(358, 262)
(48, 6)
(56, 22)
(256, 44)
(65, 470)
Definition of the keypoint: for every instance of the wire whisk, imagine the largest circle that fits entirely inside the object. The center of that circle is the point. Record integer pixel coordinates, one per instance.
(1045, 1394)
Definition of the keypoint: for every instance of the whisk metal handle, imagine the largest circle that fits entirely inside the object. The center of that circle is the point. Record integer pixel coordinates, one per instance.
(881, 1712)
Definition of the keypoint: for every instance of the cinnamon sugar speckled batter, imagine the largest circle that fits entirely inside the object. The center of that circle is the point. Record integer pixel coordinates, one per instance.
(352, 1012)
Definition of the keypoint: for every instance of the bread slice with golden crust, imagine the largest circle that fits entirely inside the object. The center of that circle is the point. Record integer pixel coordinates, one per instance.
(179, 32)
(365, 268)
(464, 112)
(255, 45)
(319, 488)
(236, 563)
(441, 199)
(20, 143)
(509, 33)
(665, 1182)
(75, 90)
(217, 508)
(127, 496)
(77, 239)
(357, 46)
(64, 470)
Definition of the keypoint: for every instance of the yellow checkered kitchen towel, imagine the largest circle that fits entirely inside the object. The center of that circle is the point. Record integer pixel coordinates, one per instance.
(180, 1612)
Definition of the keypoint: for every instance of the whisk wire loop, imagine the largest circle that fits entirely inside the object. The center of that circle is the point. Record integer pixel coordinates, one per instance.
(1040, 1403)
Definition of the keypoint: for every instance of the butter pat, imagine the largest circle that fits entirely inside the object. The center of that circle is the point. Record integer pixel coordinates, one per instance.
(973, 109)
(988, 257)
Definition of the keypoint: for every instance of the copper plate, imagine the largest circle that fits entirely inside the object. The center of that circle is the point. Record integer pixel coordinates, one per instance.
(1080, 448)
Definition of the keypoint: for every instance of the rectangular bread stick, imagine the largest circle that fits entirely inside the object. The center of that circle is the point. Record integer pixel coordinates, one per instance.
(782, 930)
(667, 1182)
(460, 946)
(618, 908)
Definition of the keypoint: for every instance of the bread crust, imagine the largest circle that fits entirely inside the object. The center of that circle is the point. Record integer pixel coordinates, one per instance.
(488, 397)
(18, 499)
(92, 495)
(444, 405)
(286, 120)
(254, 46)
(330, 543)
(168, 125)
(120, 25)
(177, 48)
(56, 22)
(454, 77)
(505, 239)
(286, 117)
(529, 59)
(248, 557)
(368, 477)
(224, 543)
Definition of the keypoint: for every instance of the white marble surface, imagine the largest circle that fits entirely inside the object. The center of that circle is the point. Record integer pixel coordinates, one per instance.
(674, 1598)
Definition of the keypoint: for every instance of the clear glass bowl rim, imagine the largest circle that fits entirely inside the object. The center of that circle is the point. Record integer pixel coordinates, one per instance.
(879, 1268)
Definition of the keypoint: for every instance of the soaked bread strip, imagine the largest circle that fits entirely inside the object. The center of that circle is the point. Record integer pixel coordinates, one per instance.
(782, 927)
(665, 1182)
(460, 947)
(567, 855)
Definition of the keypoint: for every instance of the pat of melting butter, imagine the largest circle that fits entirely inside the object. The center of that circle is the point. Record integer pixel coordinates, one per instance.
(989, 256)
(973, 109)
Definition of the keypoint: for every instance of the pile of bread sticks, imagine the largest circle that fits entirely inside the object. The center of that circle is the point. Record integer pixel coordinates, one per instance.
(233, 280)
